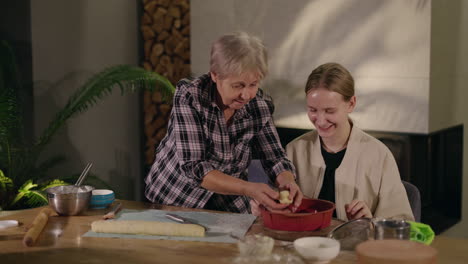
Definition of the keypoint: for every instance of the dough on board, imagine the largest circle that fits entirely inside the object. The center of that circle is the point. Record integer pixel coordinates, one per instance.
(147, 228)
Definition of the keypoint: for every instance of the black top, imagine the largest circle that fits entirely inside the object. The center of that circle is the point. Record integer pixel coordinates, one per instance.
(332, 162)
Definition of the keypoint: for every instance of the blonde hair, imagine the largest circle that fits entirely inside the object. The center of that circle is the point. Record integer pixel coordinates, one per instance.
(236, 53)
(333, 77)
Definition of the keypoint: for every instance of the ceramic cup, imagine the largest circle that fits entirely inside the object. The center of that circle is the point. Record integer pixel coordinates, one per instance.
(101, 198)
(392, 229)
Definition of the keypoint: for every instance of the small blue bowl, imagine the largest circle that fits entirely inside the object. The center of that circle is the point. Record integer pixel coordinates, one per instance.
(101, 198)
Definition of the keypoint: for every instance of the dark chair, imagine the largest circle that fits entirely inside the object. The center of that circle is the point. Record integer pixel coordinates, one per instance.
(257, 174)
(414, 198)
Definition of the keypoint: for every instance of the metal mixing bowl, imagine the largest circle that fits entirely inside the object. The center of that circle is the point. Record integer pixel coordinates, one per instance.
(69, 199)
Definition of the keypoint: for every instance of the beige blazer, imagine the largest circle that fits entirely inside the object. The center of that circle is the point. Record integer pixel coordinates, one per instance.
(368, 172)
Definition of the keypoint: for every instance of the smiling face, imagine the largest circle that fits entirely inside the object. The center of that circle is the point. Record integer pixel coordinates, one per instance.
(236, 91)
(328, 111)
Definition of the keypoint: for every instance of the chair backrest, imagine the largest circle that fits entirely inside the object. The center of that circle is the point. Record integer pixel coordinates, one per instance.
(414, 198)
(256, 172)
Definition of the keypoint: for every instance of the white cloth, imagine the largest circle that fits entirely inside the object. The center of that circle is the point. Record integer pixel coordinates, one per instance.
(8, 223)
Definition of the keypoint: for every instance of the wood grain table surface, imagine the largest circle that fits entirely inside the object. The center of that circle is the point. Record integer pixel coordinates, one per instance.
(62, 242)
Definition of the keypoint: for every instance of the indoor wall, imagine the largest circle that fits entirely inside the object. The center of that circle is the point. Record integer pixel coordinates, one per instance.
(449, 83)
(70, 41)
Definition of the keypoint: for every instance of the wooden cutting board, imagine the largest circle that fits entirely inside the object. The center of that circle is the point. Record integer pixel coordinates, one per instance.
(395, 251)
(259, 228)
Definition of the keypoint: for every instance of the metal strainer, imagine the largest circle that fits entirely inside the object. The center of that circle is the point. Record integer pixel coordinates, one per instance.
(353, 232)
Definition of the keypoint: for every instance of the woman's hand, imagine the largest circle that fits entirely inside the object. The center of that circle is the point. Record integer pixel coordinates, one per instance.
(264, 195)
(357, 209)
(286, 181)
(295, 194)
(255, 207)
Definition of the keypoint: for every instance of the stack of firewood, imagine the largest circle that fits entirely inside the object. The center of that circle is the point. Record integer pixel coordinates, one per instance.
(165, 26)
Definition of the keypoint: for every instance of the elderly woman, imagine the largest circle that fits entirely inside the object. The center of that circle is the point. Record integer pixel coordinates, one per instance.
(216, 121)
(338, 161)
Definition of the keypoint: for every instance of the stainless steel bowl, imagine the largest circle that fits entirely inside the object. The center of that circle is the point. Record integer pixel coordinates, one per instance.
(353, 232)
(69, 199)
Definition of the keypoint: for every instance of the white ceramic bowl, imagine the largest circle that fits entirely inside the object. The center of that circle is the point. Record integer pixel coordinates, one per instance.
(317, 249)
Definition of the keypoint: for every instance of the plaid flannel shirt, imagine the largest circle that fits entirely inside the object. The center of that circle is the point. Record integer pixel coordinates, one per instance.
(199, 141)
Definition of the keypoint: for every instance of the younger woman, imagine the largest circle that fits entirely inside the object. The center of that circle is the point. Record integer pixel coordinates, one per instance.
(339, 162)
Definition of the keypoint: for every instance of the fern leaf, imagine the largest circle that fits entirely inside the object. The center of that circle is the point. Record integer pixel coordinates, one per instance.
(35, 198)
(15, 201)
(10, 114)
(127, 78)
(6, 183)
(53, 183)
(29, 197)
(28, 185)
(6, 190)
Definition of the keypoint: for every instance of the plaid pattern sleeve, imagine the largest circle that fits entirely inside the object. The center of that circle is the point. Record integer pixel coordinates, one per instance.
(180, 160)
(190, 139)
(268, 144)
(199, 141)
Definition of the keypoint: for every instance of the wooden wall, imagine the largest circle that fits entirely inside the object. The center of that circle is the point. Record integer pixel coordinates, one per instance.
(165, 28)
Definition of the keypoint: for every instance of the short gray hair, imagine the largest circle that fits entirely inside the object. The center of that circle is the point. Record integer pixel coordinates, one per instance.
(236, 53)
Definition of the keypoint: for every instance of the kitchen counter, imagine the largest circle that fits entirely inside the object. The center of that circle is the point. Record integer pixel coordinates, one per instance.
(62, 242)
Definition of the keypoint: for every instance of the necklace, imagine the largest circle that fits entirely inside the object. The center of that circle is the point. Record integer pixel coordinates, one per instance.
(336, 149)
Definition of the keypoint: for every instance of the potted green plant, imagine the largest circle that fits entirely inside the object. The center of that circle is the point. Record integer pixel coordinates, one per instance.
(23, 178)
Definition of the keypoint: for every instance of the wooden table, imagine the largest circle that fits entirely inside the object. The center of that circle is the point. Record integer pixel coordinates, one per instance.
(62, 242)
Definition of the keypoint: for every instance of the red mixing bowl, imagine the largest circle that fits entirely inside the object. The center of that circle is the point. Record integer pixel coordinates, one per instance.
(312, 214)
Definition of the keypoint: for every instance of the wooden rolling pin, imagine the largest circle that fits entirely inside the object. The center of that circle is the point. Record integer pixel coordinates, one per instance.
(37, 226)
